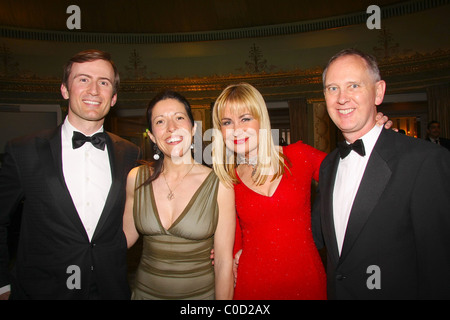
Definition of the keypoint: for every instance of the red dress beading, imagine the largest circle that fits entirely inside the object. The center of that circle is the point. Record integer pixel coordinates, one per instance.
(279, 260)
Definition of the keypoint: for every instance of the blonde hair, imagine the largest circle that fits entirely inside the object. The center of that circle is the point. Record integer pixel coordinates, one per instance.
(242, 98)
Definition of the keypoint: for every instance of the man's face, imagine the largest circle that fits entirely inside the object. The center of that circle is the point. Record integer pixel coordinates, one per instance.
(90, 91)
(434, 131)
(351, 95)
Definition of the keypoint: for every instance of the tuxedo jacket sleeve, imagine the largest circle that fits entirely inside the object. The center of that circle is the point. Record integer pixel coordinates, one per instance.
(52, 236)
(399, 222)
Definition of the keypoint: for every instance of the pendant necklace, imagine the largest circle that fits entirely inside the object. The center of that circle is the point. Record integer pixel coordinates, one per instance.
(171, 195)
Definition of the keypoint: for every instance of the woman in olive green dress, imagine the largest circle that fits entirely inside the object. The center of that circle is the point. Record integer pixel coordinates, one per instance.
(182, 211)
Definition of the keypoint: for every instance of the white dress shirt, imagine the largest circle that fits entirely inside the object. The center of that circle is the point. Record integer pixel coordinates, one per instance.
(87, 173)
(435, 140)
(349, 174)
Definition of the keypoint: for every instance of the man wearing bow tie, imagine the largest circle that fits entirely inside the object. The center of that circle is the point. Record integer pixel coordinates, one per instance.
(72, 180)
(383, 206)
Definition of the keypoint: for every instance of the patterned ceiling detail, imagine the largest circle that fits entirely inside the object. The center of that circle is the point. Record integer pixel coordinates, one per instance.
(254, 32)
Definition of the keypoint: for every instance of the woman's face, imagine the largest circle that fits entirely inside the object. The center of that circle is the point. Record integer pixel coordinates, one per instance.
(240, 131)
(172, 129)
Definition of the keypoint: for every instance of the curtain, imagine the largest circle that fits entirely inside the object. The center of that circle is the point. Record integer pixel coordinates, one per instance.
(439, 107)
(298, 118)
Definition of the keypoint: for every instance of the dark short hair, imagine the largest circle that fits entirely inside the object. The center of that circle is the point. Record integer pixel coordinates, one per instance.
(88, 56)
(431, 123)
(370, 60)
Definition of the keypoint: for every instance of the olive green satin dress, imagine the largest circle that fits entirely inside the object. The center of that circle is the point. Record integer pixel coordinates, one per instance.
(175, 263)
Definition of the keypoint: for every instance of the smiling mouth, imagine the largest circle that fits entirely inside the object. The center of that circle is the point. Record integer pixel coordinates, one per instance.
(240, 141)
(174, 140)
(93, 103)
(345, 111)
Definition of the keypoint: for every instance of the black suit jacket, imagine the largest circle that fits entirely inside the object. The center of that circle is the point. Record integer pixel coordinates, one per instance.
(443, 142)
(52, 236)
(399, 222)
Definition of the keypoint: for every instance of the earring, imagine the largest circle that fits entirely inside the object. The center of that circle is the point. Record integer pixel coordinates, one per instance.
(192, 146)
(157, 152)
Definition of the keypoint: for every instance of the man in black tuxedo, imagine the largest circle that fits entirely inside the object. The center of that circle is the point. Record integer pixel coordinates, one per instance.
(434, 134)
(384, 215)
(71, 244)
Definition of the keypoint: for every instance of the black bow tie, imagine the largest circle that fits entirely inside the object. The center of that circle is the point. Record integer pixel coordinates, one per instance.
(98, 140)
(345, 148)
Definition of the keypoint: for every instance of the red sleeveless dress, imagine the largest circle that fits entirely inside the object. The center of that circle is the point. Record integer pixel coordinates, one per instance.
(280, 260)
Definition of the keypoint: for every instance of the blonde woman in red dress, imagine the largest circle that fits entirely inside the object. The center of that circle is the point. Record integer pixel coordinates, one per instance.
(272, 186)
(279, 259)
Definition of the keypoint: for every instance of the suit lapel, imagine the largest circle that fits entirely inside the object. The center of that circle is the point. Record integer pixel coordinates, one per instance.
(51, 157)
(116, 163)
(374, 181)
(329, 175)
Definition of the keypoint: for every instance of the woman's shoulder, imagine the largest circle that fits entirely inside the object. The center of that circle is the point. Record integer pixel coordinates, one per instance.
(142, 171)
(297, 147)
(209, 174)
(201, 173)
(301, 150)
(203, 168)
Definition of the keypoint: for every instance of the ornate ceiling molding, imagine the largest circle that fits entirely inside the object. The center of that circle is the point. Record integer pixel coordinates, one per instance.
(400, 9)
(402, 74)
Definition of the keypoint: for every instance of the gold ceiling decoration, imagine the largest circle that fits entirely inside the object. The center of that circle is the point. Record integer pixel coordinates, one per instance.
(173, 16)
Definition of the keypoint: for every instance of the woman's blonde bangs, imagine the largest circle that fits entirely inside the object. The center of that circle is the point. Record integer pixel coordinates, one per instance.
(244, 98)
(241, 99)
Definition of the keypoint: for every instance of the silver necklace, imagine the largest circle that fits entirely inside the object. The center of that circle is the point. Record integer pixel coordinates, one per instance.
(252, 162)
(171, 194)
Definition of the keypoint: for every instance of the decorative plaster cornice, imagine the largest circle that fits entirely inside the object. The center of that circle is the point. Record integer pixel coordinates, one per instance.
(403, 74)
(399, 9)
